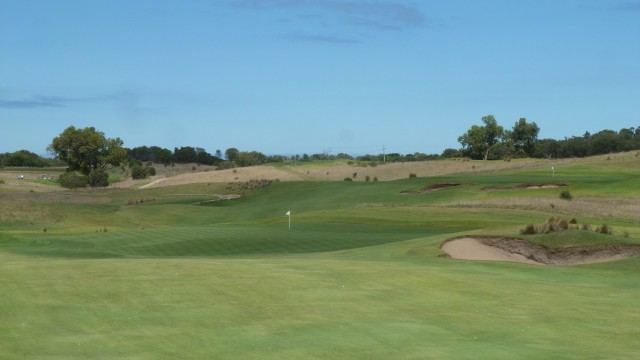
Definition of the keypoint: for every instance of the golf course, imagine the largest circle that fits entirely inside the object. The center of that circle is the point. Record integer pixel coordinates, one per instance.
(208, 265)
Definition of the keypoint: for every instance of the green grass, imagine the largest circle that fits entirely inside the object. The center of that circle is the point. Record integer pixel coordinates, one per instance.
(359, 276)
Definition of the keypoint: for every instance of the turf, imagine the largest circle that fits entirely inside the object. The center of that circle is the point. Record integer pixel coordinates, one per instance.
(359, 276)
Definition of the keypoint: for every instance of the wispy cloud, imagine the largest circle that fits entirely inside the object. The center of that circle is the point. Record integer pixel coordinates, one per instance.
(124, 99)
(628, 6)
(30, 103)
(46, 101)
(373, 15)
(379, 15)
(321, 38)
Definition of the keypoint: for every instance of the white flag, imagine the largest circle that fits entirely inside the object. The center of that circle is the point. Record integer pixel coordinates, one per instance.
(288, 213)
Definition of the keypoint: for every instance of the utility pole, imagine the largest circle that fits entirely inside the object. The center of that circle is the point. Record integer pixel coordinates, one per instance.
(384, 156)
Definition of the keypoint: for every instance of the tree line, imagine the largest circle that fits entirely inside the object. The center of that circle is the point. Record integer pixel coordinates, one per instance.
(25, 158)
(88, 152)
(492, 141)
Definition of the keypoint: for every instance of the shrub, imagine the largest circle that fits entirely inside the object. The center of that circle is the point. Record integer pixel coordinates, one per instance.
(152, 171)
(1, 181)
(354, 175)
(604, 229)
(412, 175)
(139, 172)
(562, 225)
(348, 179)
(573, 221)
(73, 180)
(98, 178)
(528, 230)
(585, 227)
(367, 178)
(565, 195)
(375, 178)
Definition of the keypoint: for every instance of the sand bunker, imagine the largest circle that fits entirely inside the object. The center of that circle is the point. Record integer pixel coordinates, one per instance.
(523, 251)
(432, 187)
(526, 186)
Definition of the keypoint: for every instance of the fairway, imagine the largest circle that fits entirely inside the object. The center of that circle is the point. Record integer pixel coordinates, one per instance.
(360, 275)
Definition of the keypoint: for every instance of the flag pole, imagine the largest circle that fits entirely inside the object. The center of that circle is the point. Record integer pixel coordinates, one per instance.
(289, 215)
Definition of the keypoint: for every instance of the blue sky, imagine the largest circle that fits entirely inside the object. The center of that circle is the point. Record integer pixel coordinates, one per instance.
(304, 76)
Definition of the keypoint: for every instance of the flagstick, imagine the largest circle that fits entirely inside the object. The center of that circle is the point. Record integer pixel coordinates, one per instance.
(289, 215)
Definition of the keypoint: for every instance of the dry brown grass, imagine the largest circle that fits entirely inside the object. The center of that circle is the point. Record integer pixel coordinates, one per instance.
(623, 208)
(340, 170)
(218, 176)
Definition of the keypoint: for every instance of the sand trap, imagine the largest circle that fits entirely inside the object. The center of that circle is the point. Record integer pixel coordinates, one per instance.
(472, 249)
(526, 186)
(523, 251)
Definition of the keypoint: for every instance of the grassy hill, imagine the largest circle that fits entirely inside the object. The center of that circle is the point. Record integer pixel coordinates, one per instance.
(172, 271)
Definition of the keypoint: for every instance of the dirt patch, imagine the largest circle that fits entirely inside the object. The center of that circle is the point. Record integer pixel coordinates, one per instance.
(432, 187)
(525, 186)
(519, 250)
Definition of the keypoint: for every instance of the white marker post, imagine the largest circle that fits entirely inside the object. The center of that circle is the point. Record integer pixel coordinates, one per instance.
(289, 215)
(553, 171)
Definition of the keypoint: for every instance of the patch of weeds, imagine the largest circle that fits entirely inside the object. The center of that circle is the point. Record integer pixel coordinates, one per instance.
(139, 201)
(551, 225)
(249, 185)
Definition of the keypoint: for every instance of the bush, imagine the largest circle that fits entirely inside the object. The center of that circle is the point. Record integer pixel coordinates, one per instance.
(98, 178)
(139, 172)
(585, 227)
(565, 195)
(528, 230)
(348, 179)
(604, 229)
(375, 178)
(73, 180)
(412, 175)
(152, 171)
(367, 178)
(1, 181)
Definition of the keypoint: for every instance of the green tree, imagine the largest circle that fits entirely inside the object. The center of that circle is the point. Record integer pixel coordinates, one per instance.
(87, 149)
(478, 140)
(232, 154)
(524, 136)
(185, 154)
